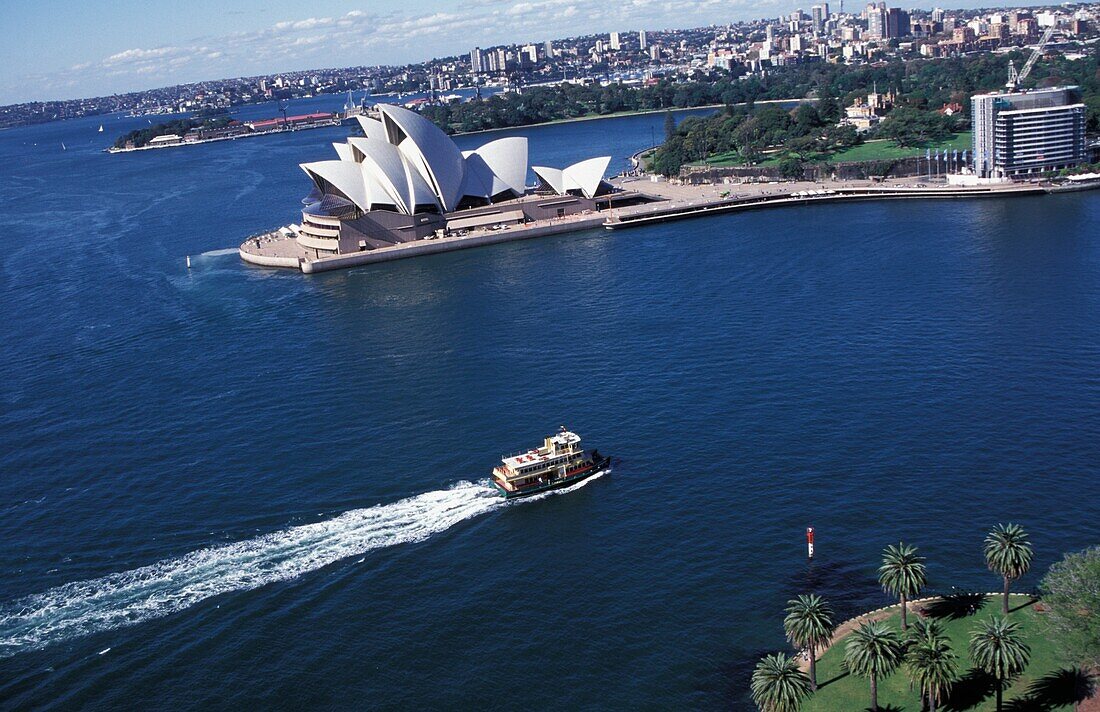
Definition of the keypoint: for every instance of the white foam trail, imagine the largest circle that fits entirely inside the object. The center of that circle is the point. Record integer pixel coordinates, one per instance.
(219, 253)
(171, 585)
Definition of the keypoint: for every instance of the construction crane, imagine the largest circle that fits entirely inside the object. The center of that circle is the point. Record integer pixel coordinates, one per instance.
(1014, 78)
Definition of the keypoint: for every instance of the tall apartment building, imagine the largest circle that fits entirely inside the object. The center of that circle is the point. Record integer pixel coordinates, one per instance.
(641, 40)
(1018, 133)
(477, 61)
(876, 20)
(819, 15)
(615, 41)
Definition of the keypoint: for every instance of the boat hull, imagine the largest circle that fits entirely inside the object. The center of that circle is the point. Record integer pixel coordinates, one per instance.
(598, 466)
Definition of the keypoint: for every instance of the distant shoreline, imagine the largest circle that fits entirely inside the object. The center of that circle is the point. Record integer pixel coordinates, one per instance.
(639, 112)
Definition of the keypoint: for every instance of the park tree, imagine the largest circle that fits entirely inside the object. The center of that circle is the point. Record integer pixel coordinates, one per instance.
(1008, 553)
(809, 624)
(1071, 589)
(873, 651)
(902, 574)
(778, 685)
(997, 648)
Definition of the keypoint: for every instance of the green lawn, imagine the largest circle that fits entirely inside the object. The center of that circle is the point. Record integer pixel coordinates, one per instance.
(1036, 689)
(877, 150)
(888, 150)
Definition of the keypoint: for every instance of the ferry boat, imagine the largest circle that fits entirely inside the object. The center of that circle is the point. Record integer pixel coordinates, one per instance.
(560, 462)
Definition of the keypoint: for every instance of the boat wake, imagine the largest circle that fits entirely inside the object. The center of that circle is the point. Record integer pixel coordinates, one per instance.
(172, 585)
(219, 253)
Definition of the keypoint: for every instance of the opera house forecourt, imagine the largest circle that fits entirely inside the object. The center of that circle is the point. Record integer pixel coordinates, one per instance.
(405, 188)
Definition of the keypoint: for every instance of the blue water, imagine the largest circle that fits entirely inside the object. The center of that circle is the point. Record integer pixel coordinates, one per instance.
(232, 487)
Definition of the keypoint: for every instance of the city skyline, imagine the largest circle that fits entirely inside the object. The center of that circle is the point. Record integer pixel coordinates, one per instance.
(170, 46)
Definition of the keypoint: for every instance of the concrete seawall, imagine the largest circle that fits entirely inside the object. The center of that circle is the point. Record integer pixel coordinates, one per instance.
(419, 248)
(672, 202)
(655, 214)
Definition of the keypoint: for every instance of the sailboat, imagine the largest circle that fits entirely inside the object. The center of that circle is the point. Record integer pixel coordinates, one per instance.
(63, 146)
(101, 128)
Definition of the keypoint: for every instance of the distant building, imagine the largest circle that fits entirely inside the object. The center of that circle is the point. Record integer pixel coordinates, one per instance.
(641, 40)
(876, 21)
(477, 61)
(897, 23)
(614, 41)
(819, 15)
(865, 115)
(1020, 133)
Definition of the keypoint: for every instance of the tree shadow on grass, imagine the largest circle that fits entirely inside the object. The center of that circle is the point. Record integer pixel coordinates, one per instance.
(1030, 601)
(970, 690)
(955, 606)
(1061, 688)
(831, 680)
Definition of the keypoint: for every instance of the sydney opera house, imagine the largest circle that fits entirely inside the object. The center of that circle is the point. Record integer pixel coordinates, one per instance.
(406, 180)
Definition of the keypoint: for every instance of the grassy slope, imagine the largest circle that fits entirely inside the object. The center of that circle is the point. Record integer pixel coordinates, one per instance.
(885, 150)
(870, 151)
(840, 692)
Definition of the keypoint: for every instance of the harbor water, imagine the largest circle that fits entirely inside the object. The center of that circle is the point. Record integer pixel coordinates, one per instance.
(227, 487)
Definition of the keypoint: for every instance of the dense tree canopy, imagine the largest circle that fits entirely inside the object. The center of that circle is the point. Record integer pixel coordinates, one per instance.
(1072, 591)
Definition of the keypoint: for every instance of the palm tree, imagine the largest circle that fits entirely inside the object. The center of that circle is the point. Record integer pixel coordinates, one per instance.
(996, 647)
(778, 685)
(902, 574)
(1008, 553)
(809, 624)
(930, 662)
(873, 651)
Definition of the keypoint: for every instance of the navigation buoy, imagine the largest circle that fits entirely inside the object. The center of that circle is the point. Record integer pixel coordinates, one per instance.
(188, 261)
(810, 542)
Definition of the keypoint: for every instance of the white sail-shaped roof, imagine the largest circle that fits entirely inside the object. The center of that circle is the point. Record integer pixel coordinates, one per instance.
(480, 181)
(431, 151)
(358, 183)
(372, 128)
(345, 176)
(506, 158)
(586, 176)
(384, 161)
(343, 151)
(551, 177)
(392, 169)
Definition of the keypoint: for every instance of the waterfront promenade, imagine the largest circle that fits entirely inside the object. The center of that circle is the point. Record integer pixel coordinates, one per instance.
(666, 201)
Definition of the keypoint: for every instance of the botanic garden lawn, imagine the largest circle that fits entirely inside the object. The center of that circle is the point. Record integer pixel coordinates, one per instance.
(875, 150)
(1038, 688)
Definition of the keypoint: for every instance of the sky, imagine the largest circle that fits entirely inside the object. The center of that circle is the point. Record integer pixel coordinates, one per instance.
(66, 49)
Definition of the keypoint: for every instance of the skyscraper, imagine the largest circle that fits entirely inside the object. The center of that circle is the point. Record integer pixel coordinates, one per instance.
(876, 20)
(818, 17)
(641, 40)
(477, 61)
(615, 41)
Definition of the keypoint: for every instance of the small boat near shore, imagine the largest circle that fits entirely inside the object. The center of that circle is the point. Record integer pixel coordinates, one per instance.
(560, 462)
